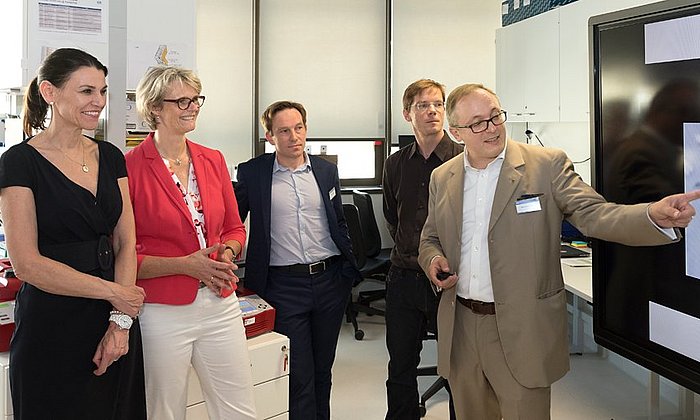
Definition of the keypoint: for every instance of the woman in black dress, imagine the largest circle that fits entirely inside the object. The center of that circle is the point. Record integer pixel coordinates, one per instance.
(76, 351)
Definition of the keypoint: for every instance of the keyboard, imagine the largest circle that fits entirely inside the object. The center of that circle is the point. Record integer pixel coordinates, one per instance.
(568, 251)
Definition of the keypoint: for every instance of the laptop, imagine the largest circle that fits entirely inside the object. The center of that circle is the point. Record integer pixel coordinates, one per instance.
(568, 251)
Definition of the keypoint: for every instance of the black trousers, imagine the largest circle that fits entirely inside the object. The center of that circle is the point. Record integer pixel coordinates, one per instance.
(411, 311)
(310, 310)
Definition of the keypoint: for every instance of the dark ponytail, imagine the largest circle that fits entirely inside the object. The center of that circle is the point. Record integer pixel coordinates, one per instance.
(57, 68)
(35, 108)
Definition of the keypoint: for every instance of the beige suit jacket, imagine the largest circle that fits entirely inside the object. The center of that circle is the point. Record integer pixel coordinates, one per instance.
(524, 253)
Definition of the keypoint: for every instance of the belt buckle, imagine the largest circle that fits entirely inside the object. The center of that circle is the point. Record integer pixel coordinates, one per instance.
(317, 267)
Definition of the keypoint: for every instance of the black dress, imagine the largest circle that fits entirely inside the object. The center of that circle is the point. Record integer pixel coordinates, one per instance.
(51, 368)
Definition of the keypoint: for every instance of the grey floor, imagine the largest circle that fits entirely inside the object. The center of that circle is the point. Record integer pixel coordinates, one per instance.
(593, 389)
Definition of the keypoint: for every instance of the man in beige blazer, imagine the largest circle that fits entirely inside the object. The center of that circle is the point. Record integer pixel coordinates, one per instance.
(494, 223)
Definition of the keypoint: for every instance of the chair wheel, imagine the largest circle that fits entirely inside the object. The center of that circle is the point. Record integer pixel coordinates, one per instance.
(422, 410)
(359, 335)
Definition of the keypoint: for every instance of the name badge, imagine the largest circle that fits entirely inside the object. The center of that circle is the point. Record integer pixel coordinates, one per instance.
(528, 204)
(331, 193)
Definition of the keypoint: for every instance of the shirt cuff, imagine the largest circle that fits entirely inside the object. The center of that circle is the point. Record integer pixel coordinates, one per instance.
(433, 258)
(669, 232)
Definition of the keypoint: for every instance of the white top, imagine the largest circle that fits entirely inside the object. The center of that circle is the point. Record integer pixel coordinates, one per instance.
(474, 268)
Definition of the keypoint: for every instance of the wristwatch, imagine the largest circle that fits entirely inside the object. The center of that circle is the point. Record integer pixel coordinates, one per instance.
(122, 320)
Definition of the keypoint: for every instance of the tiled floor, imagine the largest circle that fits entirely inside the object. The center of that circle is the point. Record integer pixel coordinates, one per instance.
(594, 389)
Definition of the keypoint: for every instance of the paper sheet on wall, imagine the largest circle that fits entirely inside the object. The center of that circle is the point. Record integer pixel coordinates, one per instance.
(82, 18)
(147, 54)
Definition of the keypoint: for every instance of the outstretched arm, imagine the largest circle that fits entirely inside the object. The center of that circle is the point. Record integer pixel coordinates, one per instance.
(674, 210)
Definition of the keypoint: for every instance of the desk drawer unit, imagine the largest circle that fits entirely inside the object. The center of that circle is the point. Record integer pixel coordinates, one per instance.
(269, 360)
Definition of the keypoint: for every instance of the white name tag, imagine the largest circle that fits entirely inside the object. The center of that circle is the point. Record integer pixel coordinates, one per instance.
(331, 193)
(528, 205)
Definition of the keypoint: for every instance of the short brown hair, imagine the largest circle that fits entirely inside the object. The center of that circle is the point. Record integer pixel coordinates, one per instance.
(415, 88)
(272, 110)
(153, 86)
(460, 92)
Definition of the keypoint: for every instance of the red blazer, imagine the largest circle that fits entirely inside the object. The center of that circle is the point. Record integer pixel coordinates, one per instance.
(163, 222)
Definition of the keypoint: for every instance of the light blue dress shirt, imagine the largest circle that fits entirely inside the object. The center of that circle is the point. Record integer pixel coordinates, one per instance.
(299, 230)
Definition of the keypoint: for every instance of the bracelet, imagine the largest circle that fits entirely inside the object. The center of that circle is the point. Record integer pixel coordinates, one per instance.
(232, 252)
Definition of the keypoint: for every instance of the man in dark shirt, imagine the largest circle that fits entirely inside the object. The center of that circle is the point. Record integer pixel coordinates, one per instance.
(411, 303)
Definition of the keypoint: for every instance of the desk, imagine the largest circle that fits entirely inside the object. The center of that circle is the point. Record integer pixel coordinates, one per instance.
(579, 281)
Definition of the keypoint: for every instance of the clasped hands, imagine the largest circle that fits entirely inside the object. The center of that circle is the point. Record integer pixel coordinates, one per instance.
(213, 269)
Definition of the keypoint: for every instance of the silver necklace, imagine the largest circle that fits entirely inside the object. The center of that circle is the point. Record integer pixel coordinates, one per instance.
(177, 161)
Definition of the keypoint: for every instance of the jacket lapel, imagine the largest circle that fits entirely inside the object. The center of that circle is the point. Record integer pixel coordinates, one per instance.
(162, 175)
(455, 192)
(508, 181)
(265, 185)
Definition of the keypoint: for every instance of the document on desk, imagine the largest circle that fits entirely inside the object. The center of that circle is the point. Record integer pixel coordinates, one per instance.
(577, 262)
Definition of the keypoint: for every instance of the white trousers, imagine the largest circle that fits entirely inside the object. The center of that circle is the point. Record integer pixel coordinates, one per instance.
(209, 335)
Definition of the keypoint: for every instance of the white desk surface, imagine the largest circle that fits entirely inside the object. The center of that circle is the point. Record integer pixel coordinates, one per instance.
(579, 280)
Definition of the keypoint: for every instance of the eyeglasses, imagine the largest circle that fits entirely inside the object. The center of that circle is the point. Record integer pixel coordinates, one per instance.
(483, 125)
(184, 103)
(424, 106)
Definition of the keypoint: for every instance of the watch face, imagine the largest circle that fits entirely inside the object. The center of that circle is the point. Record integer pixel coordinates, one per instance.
(123, 321)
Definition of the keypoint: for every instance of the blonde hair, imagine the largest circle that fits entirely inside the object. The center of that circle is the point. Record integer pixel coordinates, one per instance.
(460, 92)
(154, 85)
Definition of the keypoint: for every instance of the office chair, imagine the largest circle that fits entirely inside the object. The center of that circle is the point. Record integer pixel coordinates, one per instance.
(440, 382)
(373, 267)
(370, 229)
(352, 218)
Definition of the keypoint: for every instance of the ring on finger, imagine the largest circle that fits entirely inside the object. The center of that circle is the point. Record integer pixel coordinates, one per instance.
(211, 279)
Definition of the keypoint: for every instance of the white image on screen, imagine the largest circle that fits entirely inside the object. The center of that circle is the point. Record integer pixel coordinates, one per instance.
(691, 165)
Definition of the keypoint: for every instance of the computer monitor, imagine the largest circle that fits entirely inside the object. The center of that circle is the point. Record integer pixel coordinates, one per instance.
(406, 139)
(645, 113)
(569, 233)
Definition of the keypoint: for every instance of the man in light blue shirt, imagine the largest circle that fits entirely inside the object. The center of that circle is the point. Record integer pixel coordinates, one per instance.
(299, 255)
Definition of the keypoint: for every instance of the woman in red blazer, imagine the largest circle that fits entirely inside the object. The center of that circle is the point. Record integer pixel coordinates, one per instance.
(188, 233)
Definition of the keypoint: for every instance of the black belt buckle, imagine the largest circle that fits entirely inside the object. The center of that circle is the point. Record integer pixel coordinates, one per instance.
(317, 267)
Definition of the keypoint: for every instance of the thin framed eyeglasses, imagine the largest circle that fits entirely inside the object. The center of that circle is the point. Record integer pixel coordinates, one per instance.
(483, 125)
(424, 106)
(184, 103)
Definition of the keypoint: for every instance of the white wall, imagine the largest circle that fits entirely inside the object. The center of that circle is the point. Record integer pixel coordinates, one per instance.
(452, 42)
(224, 64)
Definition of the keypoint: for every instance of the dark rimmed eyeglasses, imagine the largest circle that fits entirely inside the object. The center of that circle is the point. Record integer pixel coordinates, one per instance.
(184, 103)
(483, 125)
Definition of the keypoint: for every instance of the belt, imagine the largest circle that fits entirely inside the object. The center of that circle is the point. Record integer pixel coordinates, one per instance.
(313, 268)
(85, 256)
(480, 308)
(405, 272)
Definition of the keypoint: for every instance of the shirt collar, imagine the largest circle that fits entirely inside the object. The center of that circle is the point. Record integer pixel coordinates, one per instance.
(443, 150)
(305, 167)
(501, 156)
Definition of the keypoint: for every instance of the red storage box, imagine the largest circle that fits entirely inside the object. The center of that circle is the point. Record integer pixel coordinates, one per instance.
(9, 285)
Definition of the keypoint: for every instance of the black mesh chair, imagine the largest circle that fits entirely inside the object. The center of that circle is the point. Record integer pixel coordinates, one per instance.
(371, 266)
